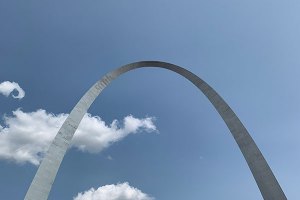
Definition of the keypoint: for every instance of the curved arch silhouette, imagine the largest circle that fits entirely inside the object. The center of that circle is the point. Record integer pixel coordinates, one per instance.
(263, 175)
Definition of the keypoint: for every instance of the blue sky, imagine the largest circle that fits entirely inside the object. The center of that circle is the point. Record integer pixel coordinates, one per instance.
(247, 50)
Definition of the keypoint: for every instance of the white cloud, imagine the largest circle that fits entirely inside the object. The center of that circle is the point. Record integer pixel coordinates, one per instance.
(7, 87)
(121, 191)
(93, 135)
(25, 137)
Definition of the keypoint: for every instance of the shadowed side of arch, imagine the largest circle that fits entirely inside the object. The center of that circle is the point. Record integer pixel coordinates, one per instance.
(45, 176)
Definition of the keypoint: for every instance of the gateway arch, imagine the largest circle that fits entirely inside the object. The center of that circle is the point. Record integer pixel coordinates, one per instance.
(46, 173)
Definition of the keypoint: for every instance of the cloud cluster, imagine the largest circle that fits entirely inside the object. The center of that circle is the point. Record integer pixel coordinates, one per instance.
(7, 87)
(25, 137)
(121, 191)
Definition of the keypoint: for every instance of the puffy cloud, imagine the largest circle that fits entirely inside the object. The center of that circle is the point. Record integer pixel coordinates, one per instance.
(25, 137)
(93, 135)
(121, 191)
(8, 87)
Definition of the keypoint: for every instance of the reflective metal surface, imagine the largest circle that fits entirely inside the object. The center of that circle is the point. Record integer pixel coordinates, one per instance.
(44, 178)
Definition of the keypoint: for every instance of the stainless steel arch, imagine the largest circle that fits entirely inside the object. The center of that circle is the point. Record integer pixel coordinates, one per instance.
(44, 178)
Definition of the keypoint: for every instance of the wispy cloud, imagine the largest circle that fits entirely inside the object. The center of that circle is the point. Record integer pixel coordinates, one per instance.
(25, 137)
(109, 157)
(7, 87)
(121, 191)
